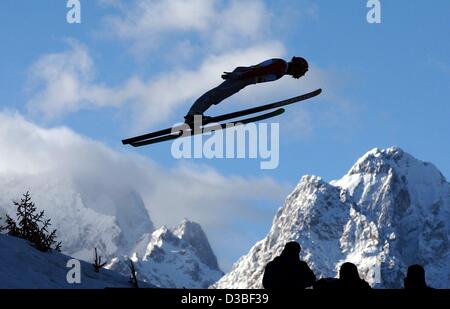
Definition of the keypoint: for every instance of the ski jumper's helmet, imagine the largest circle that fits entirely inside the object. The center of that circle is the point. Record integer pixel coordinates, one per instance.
(300, 62)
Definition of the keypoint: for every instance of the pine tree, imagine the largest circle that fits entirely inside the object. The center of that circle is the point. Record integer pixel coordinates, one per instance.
(31, 225)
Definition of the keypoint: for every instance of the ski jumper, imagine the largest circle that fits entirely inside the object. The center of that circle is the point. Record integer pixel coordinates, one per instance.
(241, 77)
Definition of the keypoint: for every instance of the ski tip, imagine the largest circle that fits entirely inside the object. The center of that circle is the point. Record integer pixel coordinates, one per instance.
(312, 93)
(278, 112)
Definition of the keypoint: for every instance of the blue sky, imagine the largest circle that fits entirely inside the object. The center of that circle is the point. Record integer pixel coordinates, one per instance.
(384, 84)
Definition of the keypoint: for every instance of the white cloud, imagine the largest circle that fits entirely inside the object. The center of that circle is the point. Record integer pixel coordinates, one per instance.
(148, 24)
(234, 33)
(62, 77)
(64, 82)
(197, 192)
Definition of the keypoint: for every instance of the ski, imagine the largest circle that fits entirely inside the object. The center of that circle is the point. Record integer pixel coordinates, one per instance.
(228, 116)
(201, 130)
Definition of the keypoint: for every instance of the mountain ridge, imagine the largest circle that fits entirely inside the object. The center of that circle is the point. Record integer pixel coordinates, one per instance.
(177, 257)
(389, 211)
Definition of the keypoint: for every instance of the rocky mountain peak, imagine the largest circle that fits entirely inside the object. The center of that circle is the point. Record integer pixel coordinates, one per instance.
(177, 257)
(389, 211)
(193, 234)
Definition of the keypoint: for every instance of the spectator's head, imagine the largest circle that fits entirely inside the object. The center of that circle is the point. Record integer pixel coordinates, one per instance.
(292, 249)
(415, 277)
(349, 272)
(298, 67)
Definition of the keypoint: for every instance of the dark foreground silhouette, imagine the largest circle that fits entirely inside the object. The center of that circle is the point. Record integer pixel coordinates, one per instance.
(415, 278)
(348, 280)
(287, 271)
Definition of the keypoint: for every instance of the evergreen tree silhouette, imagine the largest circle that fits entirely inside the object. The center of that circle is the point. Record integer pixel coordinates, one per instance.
(31, 225)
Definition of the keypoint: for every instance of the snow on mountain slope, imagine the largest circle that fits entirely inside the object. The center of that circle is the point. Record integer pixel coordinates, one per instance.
(94, 194)
(111, 222)
(87, 189)
(389, 211)
(176, 258)
(117, 226)
(22, 266)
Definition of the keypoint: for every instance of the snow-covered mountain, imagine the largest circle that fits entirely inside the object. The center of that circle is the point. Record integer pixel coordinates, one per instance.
(110, 222)
(177, 257)
(389, 211)
(116, 222)
(23, 266)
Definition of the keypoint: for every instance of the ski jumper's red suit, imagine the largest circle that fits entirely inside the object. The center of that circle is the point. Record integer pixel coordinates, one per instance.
(240, 78)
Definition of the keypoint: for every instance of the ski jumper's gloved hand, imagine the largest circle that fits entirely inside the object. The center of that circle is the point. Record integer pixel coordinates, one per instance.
(231, 75)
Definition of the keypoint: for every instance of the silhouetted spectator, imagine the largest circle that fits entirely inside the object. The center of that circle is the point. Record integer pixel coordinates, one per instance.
(415, 278)
(349, 278)
(326, 284)
(287, 271)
